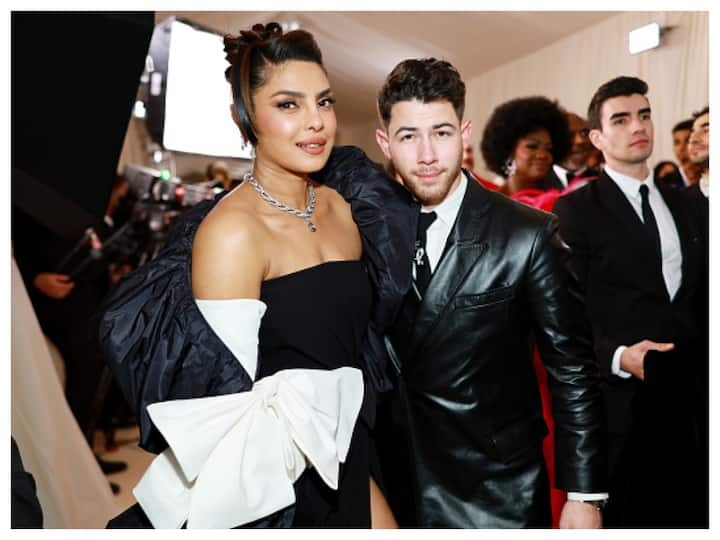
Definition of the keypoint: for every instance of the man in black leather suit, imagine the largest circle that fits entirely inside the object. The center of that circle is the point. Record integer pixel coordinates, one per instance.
(490, 282)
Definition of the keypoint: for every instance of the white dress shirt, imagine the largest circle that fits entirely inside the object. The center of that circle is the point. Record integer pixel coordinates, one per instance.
(438, 232)
(669, 239)
(561, 173)
(705, 184)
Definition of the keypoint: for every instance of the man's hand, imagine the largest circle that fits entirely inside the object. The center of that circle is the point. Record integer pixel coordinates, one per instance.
(56, 286)
(580, 515)
(632, 359)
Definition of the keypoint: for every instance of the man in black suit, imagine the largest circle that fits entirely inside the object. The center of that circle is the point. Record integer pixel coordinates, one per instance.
(687, 173)
(489, 282)
(699, 193)
(699, 152)
(575, 163)
(638, 255)
(699, 197)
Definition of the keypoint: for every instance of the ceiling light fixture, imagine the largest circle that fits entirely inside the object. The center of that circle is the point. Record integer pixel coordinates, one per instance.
(646, 37)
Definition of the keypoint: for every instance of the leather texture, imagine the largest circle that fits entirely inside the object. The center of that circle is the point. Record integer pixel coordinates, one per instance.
(471, 399)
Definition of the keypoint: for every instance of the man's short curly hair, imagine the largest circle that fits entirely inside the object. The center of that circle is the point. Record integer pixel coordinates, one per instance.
(426, 80)
(517, 118)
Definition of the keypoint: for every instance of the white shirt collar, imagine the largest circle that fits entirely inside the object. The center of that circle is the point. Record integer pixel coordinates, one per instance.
(448, 209)
(704, 183)
(684, 177)
(631, 186)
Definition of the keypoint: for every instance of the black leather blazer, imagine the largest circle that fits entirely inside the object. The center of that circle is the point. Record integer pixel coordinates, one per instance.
(474, 412)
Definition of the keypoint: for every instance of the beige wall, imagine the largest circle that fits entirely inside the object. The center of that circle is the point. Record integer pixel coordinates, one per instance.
(572, 69)
(362, 135)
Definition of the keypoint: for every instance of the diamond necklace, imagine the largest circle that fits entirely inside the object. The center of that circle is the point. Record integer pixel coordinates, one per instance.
(304, 214)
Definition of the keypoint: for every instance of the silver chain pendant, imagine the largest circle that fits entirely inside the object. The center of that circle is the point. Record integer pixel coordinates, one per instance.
(306, 214)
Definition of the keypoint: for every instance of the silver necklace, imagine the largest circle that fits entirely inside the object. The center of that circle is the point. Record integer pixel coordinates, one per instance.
(304, 214)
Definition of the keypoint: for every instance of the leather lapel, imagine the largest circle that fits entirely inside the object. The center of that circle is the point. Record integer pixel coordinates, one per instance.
(464, 246)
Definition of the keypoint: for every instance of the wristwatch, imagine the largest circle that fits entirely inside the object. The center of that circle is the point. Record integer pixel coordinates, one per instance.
(597, 503)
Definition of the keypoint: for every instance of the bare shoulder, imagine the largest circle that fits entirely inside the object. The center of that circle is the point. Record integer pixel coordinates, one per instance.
(336, 203)
(228, 259)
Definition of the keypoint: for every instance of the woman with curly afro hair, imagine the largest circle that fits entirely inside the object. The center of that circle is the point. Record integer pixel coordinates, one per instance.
(522, 139)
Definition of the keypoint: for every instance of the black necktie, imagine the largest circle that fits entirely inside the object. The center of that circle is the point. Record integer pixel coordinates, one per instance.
(422, 263)
(649, 221)
(569, 176)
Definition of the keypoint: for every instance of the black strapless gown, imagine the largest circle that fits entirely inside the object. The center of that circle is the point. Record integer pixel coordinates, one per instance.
(316, 318)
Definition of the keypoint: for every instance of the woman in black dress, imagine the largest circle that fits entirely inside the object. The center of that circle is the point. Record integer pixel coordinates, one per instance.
(251, 345)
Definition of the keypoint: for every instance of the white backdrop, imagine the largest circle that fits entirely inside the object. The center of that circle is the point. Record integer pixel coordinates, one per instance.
(71, 488)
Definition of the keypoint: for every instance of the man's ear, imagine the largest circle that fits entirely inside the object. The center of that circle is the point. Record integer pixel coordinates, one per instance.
(466, 132)
(596, 136)
(383, 141)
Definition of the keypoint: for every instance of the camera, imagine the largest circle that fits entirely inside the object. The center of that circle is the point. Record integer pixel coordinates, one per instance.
(151, 185)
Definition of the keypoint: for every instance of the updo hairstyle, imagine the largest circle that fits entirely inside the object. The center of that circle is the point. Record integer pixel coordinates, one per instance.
(250, 54)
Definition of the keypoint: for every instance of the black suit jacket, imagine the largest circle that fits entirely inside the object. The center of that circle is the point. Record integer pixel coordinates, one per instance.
(657, 427)
(474, 415)
(673, 180)
(627, 300)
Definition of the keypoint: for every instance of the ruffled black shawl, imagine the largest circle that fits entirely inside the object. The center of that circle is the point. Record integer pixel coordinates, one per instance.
(158, 345)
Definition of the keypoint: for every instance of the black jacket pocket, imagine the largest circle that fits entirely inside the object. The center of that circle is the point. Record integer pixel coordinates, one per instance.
(493, 296)
(513, 440)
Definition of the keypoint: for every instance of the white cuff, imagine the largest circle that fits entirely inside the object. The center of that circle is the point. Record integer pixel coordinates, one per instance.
(233, 458)
(615, 366)
(574, 496)
(237, 323)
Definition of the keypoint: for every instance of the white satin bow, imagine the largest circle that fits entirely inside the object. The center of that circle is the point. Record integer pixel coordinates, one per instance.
(233, 458)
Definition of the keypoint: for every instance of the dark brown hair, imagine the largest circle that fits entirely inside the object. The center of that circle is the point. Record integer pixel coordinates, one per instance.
(425, 80)
(684, 125)
(698, 114)
(249, 55)
(619, 86)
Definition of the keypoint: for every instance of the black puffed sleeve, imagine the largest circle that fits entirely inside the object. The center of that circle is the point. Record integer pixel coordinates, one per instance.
(155, 340)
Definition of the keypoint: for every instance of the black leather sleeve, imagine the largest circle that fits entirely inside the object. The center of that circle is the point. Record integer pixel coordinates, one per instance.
(565, 345)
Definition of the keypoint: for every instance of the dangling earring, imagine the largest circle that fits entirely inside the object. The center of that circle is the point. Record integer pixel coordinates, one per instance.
(510, 167)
